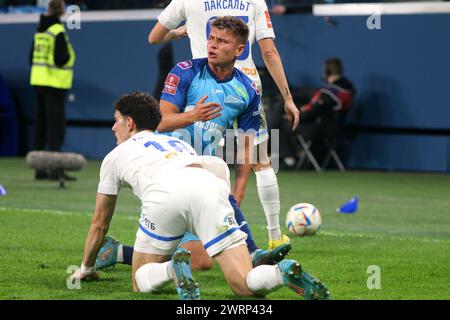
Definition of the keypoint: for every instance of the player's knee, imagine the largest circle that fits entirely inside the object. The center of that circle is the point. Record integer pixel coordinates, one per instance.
(145, 279)
(142, 281)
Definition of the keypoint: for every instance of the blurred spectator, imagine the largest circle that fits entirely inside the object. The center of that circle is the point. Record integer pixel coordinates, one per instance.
(327, 108)
(322, 118)
(322, 113)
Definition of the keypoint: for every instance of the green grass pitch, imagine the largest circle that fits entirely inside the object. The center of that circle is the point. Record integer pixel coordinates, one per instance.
(402, 226)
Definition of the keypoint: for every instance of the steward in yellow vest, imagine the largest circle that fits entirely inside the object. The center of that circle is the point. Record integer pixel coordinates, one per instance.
(52, 59)
(52, 56)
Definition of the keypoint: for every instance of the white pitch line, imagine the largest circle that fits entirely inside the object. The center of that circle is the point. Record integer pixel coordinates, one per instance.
(63, 213)
(379, 237)
(322, 232)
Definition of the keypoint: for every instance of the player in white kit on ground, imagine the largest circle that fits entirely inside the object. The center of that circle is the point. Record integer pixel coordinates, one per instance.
(198, 14)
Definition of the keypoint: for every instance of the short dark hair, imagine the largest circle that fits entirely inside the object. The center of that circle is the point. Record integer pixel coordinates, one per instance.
(142, 108)
(233, 24)
(333, 66)
(56, 8)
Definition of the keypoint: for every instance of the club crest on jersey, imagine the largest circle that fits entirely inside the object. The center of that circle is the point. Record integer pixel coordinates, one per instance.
(185, 64)
(258, 92)
(171, 84)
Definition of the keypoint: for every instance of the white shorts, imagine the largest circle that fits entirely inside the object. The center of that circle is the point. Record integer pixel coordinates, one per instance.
(191, 199)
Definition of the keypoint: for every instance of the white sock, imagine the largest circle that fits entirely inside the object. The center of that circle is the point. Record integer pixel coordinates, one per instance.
(264, 279)
(152, 277)
(120, 254)
(269, 195)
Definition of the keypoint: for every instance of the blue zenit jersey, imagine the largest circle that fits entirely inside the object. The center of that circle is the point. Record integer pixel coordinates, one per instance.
(239, 97)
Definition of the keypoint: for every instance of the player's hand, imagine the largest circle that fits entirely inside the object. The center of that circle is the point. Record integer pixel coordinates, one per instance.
(84, 277)
(206, 111)
(292, 112)
(179, 33)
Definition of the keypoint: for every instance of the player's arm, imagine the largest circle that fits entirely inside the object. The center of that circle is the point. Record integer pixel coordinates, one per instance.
(104, 210)
(160, 34)
(273, 63)
(168, 21)
(248, 124)
(173, 119)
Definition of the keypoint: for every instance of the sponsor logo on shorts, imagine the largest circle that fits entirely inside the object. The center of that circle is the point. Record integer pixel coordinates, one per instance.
(171, 84)
(185, 65)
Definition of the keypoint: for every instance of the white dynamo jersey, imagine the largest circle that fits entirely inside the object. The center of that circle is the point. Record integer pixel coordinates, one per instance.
(145, 158)
(198, 14)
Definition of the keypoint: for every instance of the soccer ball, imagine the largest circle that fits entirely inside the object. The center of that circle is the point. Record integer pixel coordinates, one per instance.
(303, 219)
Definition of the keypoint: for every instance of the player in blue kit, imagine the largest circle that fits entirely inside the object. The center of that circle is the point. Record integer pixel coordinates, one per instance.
(194, 84)
(203, 97)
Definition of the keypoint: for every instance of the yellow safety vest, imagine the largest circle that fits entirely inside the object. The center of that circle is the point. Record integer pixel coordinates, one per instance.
(44, 71)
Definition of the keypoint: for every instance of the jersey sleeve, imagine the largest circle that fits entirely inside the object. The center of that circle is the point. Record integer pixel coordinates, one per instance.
(173, 14)
(249, 118)
(263, 23)
(109, 180)
(177, 84)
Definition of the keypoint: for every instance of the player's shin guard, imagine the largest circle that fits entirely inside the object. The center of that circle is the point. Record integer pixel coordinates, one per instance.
(240, 219)
(264, 279)
(269, 195)
(152, 277)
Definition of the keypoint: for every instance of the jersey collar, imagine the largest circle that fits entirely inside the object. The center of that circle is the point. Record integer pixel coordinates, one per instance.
(223, 80)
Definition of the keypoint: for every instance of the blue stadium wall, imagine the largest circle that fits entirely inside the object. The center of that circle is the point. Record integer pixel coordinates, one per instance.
(401, 72)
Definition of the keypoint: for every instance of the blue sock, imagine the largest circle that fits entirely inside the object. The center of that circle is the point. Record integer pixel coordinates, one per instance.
(127, 255)
(240, 219)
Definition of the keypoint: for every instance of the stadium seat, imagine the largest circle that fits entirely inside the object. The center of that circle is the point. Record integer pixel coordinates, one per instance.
(325, 138)
(305, 153)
